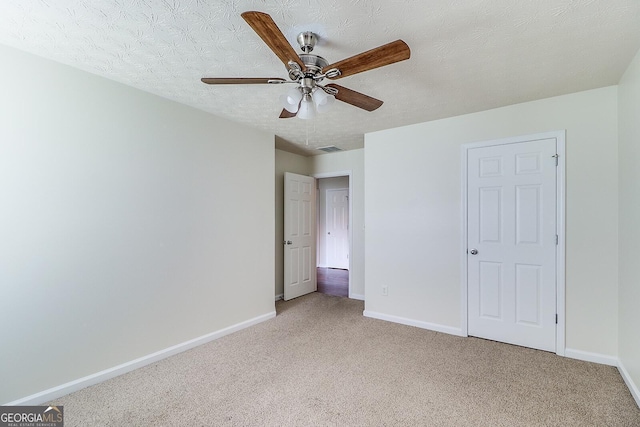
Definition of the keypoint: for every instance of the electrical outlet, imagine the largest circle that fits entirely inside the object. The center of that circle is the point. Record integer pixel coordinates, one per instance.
(385, 291)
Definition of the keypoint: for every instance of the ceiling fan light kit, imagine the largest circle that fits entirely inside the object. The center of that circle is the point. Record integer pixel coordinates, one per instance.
(307, 109)
(308, 70)
(322, 100)
(291, 100)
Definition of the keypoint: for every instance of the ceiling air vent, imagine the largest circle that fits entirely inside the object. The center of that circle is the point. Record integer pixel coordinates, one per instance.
(329, 149)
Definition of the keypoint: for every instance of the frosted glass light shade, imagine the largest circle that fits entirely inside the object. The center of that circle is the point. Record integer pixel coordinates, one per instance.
(291, 99)
(319, 96)
(307, 108)
(322, 100)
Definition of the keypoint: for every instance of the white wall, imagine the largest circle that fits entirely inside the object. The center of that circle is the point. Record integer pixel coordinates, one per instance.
(353, 161)
(325, 184)
(629, 177)
(284, 162)
(129, 223)
(412, 201)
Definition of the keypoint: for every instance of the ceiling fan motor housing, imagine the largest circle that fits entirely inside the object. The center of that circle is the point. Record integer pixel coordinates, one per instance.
(312, 73)
(313, 63)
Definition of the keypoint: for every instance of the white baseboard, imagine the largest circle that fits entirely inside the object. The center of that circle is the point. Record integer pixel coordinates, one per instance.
(279, 297)
(633, 387)
(89, 380)
(417, 323)
(602, 359)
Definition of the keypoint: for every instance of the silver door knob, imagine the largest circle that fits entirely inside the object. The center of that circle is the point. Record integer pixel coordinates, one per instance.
(287, 242)
(473, 252)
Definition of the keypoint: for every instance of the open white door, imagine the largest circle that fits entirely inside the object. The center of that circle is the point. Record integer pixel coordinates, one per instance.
(299, 235)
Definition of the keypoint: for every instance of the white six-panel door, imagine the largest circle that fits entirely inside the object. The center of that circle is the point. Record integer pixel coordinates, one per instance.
(337, 228)
(299, 235)
(511, 243)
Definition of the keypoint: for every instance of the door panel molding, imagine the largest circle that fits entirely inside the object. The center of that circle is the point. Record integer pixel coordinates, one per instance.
(526, 165)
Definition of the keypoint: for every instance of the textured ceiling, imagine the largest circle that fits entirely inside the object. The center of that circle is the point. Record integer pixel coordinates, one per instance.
(466, 55)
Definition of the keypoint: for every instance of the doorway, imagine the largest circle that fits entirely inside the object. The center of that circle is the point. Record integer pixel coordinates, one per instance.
(304, 234)
(334, 237)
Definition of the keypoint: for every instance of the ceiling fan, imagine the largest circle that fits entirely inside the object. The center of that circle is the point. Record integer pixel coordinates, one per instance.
(307, 70)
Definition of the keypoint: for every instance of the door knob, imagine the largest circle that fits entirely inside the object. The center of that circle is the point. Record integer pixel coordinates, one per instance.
(287, 242)
(473, 251)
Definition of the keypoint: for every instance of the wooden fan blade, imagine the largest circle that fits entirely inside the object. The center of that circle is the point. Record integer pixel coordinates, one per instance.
(379, 57)
(356, 99)
(269, 32)
(238, 80)
(286, 114)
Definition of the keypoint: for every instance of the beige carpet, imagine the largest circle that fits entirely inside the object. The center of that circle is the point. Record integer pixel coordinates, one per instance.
(320, 362)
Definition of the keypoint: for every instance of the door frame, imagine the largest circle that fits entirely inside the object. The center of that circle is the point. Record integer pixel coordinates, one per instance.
(560, 227)
(337, 174)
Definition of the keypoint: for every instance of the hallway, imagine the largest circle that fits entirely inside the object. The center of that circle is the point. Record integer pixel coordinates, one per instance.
(333, 281)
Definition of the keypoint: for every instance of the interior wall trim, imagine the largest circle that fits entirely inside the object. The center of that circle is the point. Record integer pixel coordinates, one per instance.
(98, 377)
(417, 323)
(633, 387)
(604, 359)
(587, 356)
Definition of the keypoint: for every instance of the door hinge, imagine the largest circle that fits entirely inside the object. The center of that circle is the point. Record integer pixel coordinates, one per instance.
(556, 157)
(556, 239)
(556, 318)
